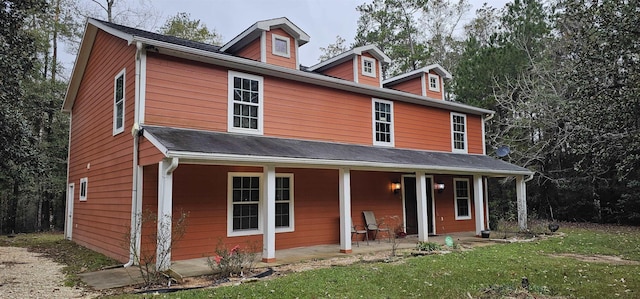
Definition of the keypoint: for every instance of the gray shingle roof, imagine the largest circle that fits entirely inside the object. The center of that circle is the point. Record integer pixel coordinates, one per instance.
(199, 144)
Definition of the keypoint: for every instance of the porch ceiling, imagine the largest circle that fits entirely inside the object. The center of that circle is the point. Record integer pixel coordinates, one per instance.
(196, 145)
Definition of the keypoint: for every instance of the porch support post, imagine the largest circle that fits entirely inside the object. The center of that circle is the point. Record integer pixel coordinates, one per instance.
(478, 202)
(421, 197)
(165, 206)
(269, 215)
(521, 195)
(345, 209)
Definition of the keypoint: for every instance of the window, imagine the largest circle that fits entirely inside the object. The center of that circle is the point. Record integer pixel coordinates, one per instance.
(382, 122)
(280, 45)
(434, 82)
(245, 204)
(458, 132)
(368, 66)
(462, 199)
(245, 199)
(245, 103)
(118, 103)
(284, 203)
(83, 188)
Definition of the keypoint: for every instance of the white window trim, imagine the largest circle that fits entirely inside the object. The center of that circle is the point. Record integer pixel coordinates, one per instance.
(84, 181)
(230, 103)
(230, 231)
(122, 73)
(437, 78)
(373, 66)
(291, 227)
(466, 133)
(373, 123)
(455, 199)
(273, 45)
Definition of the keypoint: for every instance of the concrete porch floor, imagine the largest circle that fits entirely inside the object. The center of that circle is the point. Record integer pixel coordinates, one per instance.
(120, 277)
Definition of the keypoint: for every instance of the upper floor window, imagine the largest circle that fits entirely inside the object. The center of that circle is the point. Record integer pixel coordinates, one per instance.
(459, 132)
(368, 66)
(118, 103)
(462, 199)
(280, 45)
(245, 103)
(245, 204)
(434, 82)
(84, 184)
(382, 122)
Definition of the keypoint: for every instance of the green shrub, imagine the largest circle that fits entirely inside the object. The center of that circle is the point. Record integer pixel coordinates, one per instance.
(428, 246)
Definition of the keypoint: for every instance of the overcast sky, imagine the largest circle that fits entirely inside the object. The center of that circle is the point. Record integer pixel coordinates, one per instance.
(322, 20)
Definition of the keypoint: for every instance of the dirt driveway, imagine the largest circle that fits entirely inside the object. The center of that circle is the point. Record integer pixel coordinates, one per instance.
(26, 274)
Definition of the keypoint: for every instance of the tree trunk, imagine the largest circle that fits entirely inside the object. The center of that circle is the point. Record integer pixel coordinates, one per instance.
(13, 208)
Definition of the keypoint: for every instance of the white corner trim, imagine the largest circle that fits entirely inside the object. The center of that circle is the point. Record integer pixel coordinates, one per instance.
(355, 68)
(263, 47)
(423, 85)
(297, 54)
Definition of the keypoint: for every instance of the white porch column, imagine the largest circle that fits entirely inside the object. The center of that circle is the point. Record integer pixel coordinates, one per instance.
(421, 197)
(345, 209)
(269, 214)
(521, 195)
(478, 202)
(486, 201)
(165, 206)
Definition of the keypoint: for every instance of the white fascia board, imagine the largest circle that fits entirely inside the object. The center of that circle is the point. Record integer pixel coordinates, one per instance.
(266, 25)
(406, 76)
(197, 157)
(155, 143)
(243, 64)
(79, 66)
(374, 51)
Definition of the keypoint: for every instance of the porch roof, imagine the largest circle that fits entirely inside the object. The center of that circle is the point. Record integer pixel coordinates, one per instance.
(196, 145)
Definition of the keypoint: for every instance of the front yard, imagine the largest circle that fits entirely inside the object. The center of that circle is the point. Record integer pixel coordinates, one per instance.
(584, 262)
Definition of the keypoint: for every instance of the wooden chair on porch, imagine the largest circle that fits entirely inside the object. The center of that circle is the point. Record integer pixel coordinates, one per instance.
(355, 232)
(372, 225)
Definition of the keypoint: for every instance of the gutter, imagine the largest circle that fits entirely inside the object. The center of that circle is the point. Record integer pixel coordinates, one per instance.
(136, 202)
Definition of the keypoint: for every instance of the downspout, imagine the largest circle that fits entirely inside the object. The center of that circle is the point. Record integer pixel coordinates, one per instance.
(529, 178)
(136, 207)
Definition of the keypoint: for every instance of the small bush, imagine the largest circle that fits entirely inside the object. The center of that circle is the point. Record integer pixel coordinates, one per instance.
(233, 262)
(428, 246)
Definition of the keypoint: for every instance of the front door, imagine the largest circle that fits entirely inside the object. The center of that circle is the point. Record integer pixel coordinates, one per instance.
(69, 220)
(411, 205)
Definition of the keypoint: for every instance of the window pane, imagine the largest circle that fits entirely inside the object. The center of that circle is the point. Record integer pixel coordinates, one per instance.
(282, 215)
(254, 85)
(281, 46)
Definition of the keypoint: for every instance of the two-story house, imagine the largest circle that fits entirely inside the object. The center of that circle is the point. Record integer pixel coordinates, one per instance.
(256, 148)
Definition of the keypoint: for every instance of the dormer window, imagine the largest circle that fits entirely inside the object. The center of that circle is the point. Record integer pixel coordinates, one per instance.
(434, 82)
(368, 67)
(280, 45)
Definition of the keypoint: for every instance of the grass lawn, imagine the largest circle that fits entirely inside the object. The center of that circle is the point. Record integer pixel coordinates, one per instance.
(484, 272)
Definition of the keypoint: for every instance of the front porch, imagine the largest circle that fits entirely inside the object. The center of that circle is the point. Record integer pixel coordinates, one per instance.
(120, 277)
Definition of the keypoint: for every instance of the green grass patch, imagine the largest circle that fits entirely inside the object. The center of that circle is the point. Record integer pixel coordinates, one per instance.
(76, 259)
(484, 272)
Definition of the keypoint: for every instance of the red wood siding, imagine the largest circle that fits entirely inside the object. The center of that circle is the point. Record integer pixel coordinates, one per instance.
(101, 222)
(474, 124)
(148, 153)
(413, 86)
(362, 79)
(187, 94)
(288, 62)
(420, 128)
(251, 51)
(342, 71)
(311, 112)
(445, 207)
